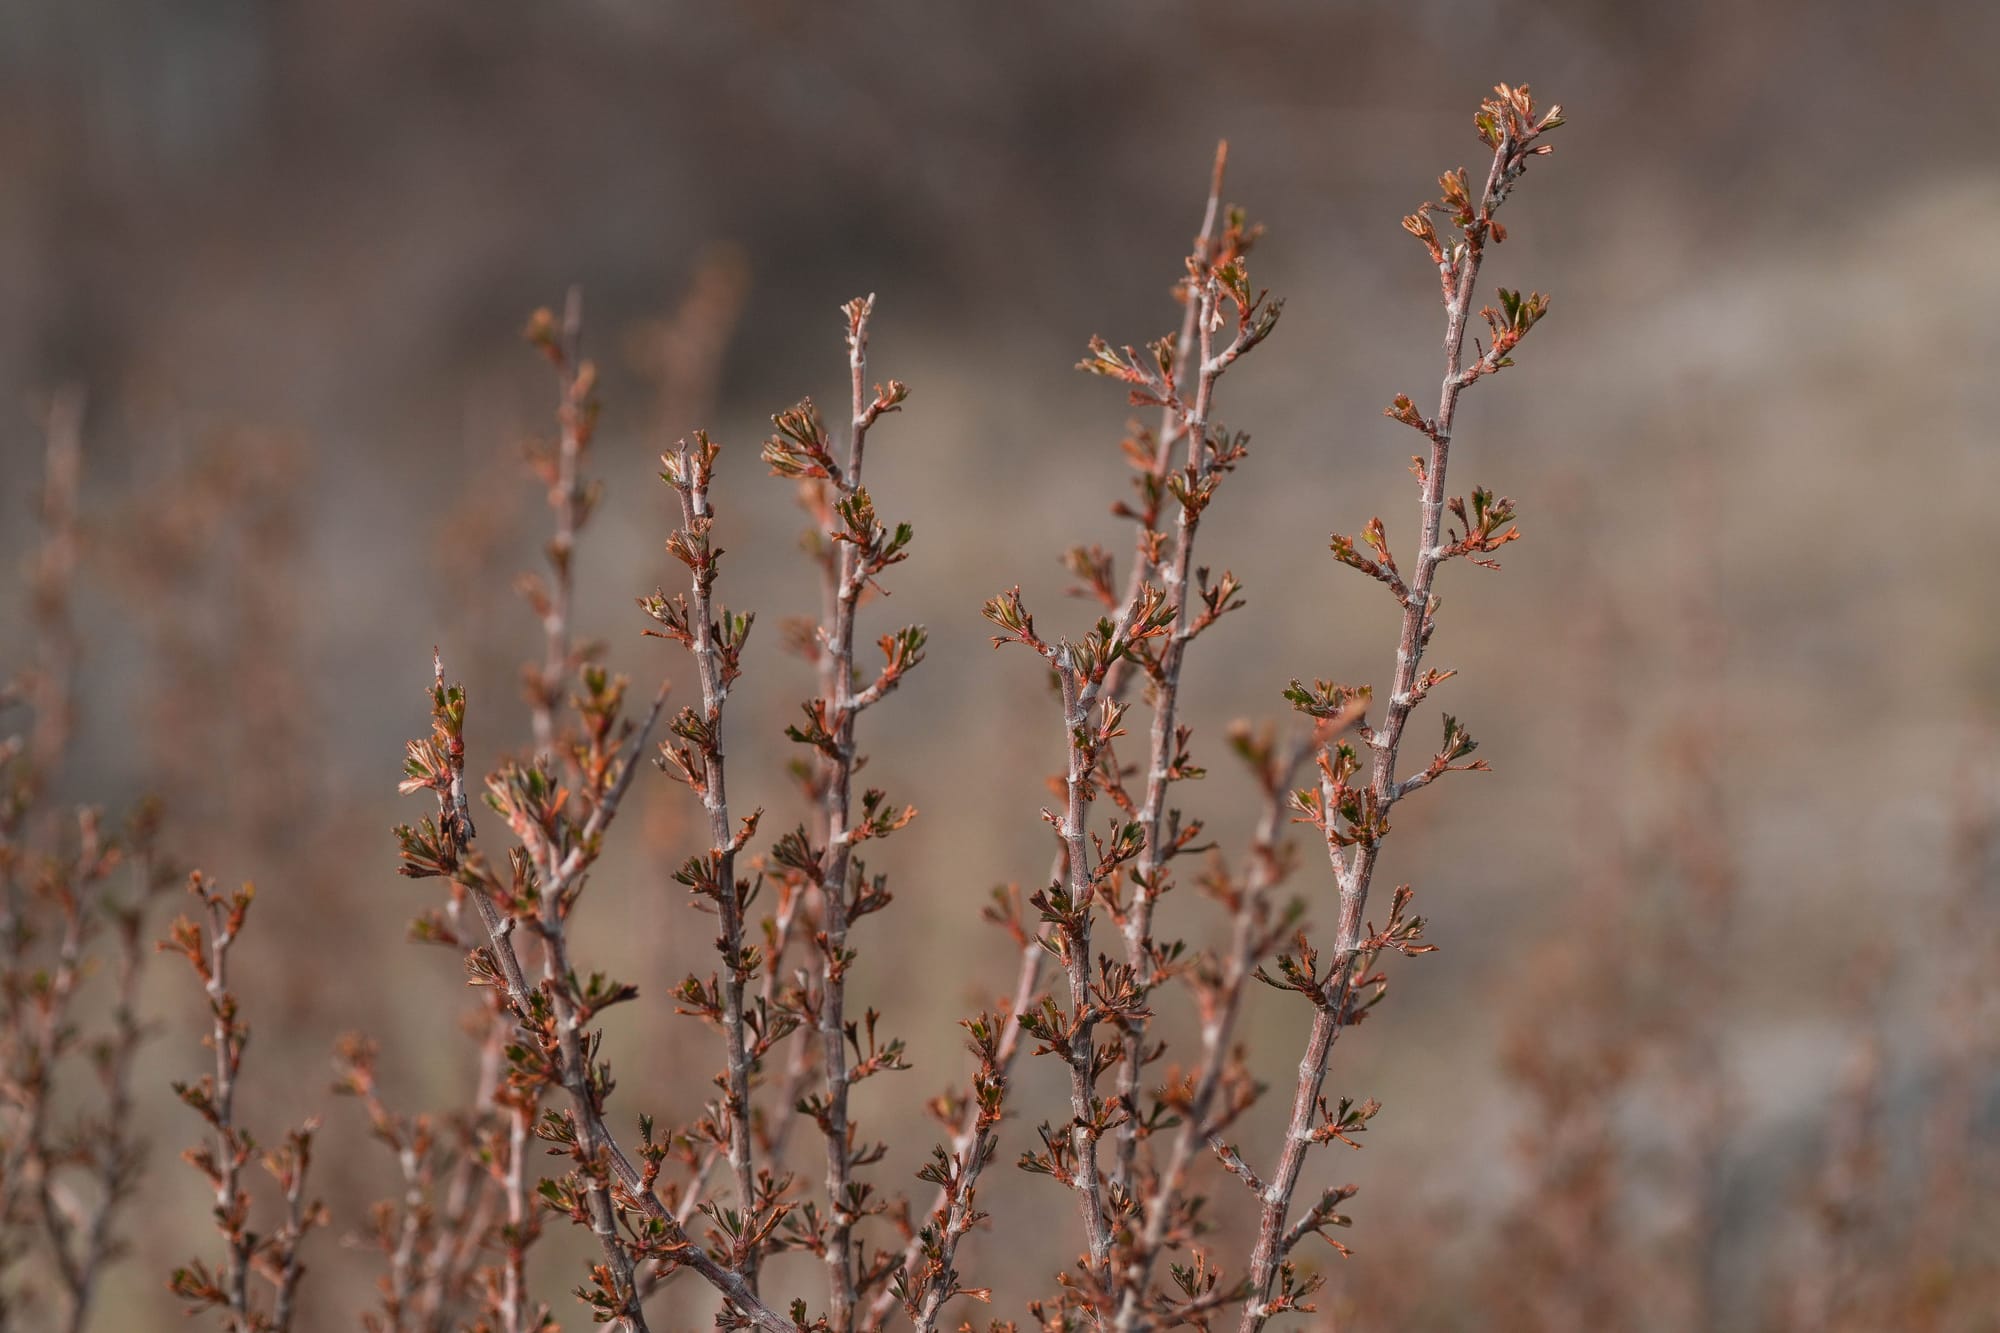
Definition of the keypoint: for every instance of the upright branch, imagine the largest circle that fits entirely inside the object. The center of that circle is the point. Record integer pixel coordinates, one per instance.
(716, 637)
(860, 547)
(1181, 377)
(515, 1100)
(1150, 453)
(274, 1257)
(560, 835)
(1153, 627)
(70, 1163)
(1067, 906)
(559, 807)
(450, 1212)
(928, 1274)
(571, 501)
(1204, 1103)
(1351, 815)
(71, 1156)
(107, 1146)
(440, 849)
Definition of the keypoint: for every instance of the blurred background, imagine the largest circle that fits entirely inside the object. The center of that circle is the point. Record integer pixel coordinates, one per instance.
(1710, 1039)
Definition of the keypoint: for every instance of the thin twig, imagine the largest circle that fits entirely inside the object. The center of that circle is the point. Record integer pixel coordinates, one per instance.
(1175, 424)
(1249, 940)
(1512, 139)
(843, 708)
(570, 504)
(715, 645)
